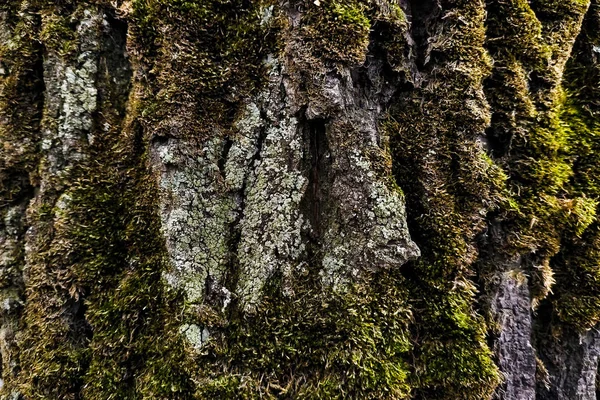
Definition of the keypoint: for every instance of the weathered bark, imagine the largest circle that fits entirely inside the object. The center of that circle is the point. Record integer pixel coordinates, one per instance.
(299, 199)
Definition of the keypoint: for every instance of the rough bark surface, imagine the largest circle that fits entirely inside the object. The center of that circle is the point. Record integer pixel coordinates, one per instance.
(230, 199)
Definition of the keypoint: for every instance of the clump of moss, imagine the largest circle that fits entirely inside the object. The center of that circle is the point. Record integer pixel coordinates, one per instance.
(59, 20)
(337, 30)
(514, 24)
(316, 344)
(341, 31)
(203, 59)
(393, 32)
(135, 351)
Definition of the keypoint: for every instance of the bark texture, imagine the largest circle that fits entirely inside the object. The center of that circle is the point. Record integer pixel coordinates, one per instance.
(231, 199)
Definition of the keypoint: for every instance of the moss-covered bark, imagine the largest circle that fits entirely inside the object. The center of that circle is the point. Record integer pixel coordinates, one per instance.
(229, 199)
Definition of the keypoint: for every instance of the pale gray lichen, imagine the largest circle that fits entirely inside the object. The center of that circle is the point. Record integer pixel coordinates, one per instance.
(195, 335)
(197, 211)
(244, 147)
(272, 225)
(71, 97)
(267, 15)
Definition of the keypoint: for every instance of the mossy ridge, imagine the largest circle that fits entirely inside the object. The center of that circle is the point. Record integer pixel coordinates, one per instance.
(576, 296)
(450, 184)
(21, 102)
(99, 257)
(314, 345)
(203, 59)
(52, 341)
(136, 350)
(347, 27)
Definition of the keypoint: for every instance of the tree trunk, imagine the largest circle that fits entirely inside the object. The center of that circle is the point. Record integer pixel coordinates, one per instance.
(365, 199)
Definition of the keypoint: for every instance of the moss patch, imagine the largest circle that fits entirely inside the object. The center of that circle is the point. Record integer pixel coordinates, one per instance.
(315, 345)
(203, 59)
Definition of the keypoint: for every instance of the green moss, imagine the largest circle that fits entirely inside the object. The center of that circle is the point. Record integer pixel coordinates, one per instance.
(58, 34)
(390, 29)
(338, 30)
(20, 102)
(199, 53)
(561, 8)
(513, 25)
(315, 345)
(450, 184)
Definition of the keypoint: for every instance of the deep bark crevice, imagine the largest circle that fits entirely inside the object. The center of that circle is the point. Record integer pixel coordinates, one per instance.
(423, 17)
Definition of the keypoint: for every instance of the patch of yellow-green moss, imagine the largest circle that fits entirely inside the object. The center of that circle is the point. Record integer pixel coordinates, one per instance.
(314, 345)
(341, 31)
(57, 33)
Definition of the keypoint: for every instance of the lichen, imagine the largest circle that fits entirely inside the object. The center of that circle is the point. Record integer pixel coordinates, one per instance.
(196, 211)
(271, 228)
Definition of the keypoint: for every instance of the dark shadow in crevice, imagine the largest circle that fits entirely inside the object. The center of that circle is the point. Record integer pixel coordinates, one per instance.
(422, 18)
(315, 202)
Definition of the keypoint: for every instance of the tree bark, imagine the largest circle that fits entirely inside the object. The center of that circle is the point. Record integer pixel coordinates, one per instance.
(366, 199)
